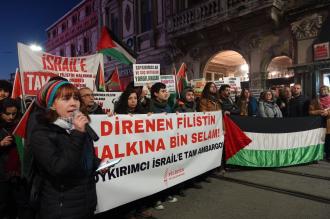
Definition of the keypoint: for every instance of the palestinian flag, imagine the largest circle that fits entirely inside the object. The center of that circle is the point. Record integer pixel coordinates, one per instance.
(181, 78)
(17, 86)
(113, 84)
(19, 132)
(107, 46)
(99, 81)
(280, 142)
(235, 139)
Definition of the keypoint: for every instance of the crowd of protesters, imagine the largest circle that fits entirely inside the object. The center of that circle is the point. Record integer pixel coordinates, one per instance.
(62, 153)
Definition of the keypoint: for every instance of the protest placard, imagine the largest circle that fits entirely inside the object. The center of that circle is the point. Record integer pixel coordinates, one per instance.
(156, 151)
(146, 74)
(37, 67)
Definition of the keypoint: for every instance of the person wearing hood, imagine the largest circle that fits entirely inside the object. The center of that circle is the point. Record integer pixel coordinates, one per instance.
(186, 103)
(87, 102)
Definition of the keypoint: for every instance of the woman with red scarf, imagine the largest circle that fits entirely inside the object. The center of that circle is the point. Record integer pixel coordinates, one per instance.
(321, 107)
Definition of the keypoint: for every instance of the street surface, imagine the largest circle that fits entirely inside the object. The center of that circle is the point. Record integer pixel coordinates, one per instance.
(292, 192)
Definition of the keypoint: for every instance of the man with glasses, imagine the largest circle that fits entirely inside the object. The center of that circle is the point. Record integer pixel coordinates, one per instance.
(88, 103)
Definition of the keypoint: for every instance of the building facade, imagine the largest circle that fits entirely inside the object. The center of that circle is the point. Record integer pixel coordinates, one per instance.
(265, 42)
(75, 33)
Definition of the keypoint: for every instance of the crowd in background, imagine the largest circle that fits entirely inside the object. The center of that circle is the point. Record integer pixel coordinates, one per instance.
(273, 103)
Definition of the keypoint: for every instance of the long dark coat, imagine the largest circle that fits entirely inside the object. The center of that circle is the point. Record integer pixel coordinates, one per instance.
(66, 164)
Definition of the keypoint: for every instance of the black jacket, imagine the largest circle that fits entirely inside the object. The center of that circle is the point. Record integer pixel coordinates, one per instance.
(185, 107)
(298, 106)
(229, 105)
(96, 110)
(68, 187)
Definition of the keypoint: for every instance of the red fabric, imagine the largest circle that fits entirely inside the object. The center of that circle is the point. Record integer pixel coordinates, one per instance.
(235, 138)
(100, 79)
(105, 41)
(325, 102)
(114, 82)
(13, 162)
(181, 76)
(20, 129)
(17, 86)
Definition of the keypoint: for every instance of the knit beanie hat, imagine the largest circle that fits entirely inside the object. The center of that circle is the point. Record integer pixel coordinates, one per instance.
(46, 95)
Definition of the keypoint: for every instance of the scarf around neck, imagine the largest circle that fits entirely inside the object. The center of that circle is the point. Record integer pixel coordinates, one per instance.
(325, 102)
(160, 104)
(65, 123)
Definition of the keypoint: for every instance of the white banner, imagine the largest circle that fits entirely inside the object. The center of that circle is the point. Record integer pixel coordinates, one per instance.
(146, 74)
(234, 83)
(157, 152)
(169, 81)
(37, 67)
(106, 100)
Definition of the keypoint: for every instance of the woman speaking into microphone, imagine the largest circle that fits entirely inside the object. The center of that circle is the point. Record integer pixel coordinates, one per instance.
(63, 154)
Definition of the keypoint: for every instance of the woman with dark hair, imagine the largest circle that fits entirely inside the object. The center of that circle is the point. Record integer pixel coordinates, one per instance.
(128, 102)
(247, 104)
(63, 154)
(10, 167)
(209, 100)
(5, 89)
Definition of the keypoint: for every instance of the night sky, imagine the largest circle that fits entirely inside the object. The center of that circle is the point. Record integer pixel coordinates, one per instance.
(26, 21)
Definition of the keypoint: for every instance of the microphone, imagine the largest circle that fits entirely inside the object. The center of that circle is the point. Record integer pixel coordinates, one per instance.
(90, 132)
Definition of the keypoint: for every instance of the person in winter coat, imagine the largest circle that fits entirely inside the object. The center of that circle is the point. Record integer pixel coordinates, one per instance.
(9, 160)
(228, 105)
(159, 104)
(320, 106)
(186, 103)
(63, 154)
(87, 102)
(268, 108)
(284, 100)
(299, 104)
(159, 99)
(128, 102)
(209, 99)
(247, 104)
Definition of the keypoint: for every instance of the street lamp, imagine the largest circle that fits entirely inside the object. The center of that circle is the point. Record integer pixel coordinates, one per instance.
(35, 47)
